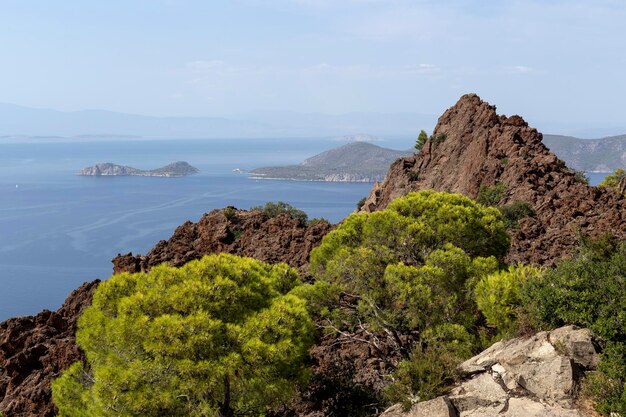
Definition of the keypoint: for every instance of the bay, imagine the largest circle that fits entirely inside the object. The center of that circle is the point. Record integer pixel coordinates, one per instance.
(58, 230)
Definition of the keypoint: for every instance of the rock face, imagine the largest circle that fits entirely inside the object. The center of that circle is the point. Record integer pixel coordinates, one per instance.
(175, 169)
(535, 376)
(475, 148)
(34, 350)
(245, 233)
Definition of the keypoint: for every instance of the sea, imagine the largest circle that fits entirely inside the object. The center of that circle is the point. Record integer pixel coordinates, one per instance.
(59, 230)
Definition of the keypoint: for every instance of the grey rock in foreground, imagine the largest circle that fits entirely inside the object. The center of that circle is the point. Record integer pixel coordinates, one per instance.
(523, 377)
(175, 169)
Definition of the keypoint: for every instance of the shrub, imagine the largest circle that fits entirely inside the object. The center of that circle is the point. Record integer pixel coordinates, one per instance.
(581, 176)
(497, 295)
(421, 140)
(229, 212)
(219, 336)
(361, 203)
(512, 213)
(272, 209)
(438, 140)
(408, 267)
(613, 180)
(414, 176)
(589, 290)
(491, 195)
(317, 220)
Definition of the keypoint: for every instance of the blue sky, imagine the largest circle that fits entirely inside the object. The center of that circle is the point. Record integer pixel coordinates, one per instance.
(562, 61)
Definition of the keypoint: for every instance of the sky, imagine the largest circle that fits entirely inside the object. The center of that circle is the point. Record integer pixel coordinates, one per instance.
(562, 61)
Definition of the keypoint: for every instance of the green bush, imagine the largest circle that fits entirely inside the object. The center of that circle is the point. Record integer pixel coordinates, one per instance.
(407, 268)
(512, 213)
(613, 180)
(581, 176)
(421, 140)
(498, 294)
(439, 139)
(589, 290)
(361, 203)
(272, 209)
(432, 365)
(220, 336)
(229, 212)
(491, 195)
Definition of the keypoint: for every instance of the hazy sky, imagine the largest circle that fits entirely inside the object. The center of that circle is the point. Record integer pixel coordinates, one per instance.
(547, 60)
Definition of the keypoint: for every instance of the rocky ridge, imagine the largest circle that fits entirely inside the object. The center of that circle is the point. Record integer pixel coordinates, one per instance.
(478, 148)
(536, 376)
(240, 232)
(175, 169)
(34, 350)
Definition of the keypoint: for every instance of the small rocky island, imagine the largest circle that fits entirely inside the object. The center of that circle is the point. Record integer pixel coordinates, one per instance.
(175, 169)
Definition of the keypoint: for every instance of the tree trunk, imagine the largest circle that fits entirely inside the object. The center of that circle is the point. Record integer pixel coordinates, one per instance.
(225, 409)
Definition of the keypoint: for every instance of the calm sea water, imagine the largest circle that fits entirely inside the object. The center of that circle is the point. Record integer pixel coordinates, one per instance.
(58, 230)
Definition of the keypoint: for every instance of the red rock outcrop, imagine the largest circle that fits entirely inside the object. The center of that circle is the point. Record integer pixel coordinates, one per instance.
(477, 147)
(34, 350)
(240, 232)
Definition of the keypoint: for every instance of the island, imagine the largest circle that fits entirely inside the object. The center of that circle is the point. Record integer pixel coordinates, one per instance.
(175, 169)
(354, 162)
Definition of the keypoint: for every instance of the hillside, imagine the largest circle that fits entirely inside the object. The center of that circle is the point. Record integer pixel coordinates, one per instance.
(175, 169)
(354, 162)
(604, 155)
(472, 148)
(480, 148)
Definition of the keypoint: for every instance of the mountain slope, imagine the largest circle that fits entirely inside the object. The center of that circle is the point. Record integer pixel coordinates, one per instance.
(354, 162)
(479, 148)
(606, 154)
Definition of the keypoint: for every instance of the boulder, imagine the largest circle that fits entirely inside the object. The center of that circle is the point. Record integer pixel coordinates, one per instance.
(523, 377)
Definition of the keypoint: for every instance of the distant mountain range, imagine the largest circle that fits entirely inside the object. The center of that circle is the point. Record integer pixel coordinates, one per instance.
(602, 155)
(354, 162)
(17, 121)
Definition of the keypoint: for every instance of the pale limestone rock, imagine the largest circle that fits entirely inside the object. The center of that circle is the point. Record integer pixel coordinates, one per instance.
(439, 407)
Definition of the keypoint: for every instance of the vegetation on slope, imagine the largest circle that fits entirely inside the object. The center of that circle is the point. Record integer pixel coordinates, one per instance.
(228, 336)
(220, 336)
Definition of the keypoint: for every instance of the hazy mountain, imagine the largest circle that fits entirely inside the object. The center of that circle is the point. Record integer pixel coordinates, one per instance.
(606, 154)
(354, 162)
(23, 121)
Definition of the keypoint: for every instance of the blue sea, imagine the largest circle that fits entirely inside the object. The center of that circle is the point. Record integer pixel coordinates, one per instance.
(58, 230)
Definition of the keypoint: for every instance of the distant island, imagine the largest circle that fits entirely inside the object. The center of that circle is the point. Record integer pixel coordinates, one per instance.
(175, 169)
(354, 162)
(591, 155)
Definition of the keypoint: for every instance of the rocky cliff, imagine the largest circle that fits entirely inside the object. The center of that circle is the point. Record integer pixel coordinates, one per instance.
(240, 232)
(34, 350)
(473, 147)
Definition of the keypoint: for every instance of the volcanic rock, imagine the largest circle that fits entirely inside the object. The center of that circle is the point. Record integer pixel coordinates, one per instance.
(239, 232)
(473, 147)
(34, 350)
